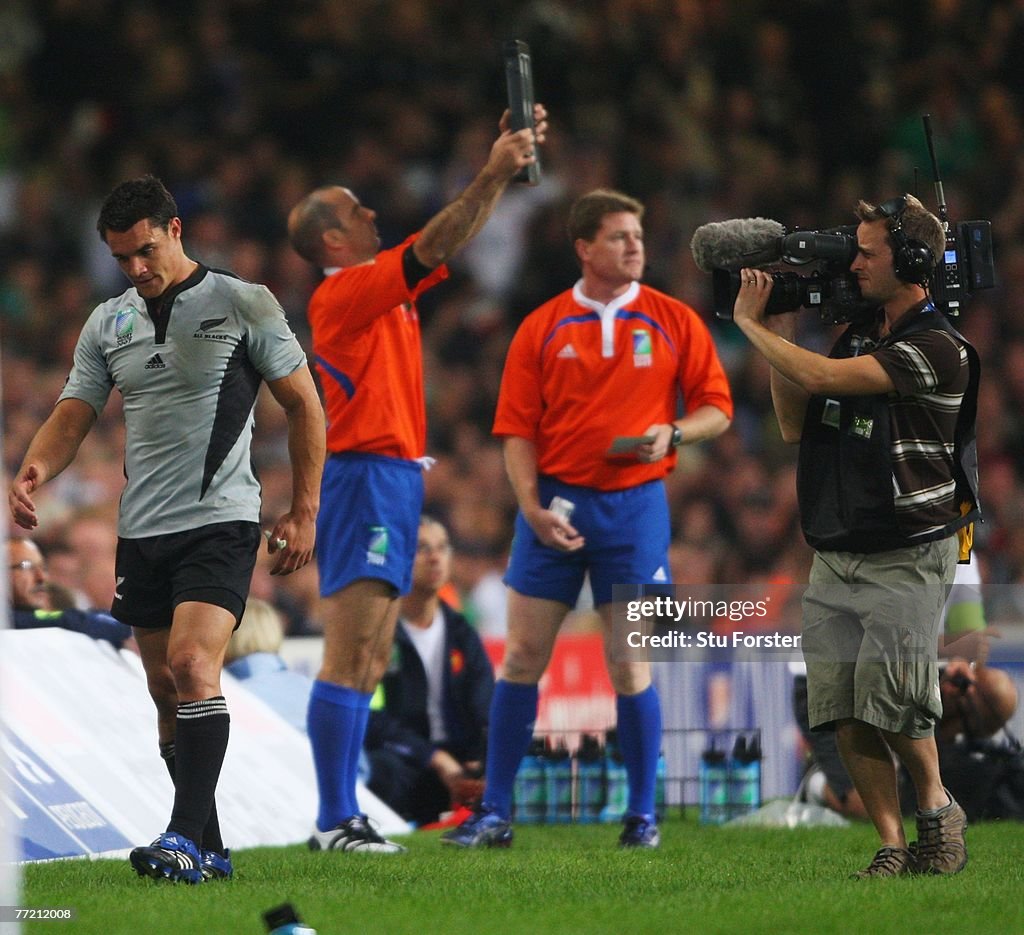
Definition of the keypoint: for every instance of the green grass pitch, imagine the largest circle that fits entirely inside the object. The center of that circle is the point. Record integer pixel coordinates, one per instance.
(560, 879)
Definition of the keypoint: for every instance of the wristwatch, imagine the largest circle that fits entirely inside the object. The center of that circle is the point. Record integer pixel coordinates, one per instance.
(677, 436)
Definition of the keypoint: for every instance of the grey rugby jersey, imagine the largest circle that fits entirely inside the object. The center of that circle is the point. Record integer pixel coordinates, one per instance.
(189, 380)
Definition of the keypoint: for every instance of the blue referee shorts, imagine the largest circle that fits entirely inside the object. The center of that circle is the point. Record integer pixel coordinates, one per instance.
(368, 522)
(627, 534)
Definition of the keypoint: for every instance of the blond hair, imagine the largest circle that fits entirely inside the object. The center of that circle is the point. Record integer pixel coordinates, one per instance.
(260, 631)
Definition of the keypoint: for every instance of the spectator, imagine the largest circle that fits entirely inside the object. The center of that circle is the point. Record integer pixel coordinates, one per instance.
(92, 539)
(977, 702)
(253, 656)
(624, 72)
(428, 719)
(33, 604)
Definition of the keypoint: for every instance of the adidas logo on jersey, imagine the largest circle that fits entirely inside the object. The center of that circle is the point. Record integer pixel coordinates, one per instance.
(660, 575)
(568, 352)
(156, 362)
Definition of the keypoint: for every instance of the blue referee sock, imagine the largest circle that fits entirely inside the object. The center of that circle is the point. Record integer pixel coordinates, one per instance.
(336, 722)
(513, 713)
(639, 731)
(356, 747)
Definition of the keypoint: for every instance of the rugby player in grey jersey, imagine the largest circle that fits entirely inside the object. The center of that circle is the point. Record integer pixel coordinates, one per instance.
(187, 347)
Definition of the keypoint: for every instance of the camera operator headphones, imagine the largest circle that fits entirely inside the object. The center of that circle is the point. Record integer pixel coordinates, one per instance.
(913, 260)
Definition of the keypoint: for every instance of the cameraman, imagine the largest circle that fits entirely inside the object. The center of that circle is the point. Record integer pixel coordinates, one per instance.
(887, 487)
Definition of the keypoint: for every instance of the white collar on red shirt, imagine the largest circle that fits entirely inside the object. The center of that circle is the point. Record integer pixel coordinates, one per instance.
(606, 312)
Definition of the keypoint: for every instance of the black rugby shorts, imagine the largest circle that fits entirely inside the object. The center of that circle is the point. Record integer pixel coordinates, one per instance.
(212, 564)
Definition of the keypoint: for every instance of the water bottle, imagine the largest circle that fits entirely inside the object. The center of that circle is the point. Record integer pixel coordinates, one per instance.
(754, 777)
(589, 780)
(714, 781)
(562, 507)
(529, 792)
(558, 783)
(283, 920)
(745, 776)
(616, 782)
(660, 801)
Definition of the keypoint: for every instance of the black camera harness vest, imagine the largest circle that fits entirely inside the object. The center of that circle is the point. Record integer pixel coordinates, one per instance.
(845, 481)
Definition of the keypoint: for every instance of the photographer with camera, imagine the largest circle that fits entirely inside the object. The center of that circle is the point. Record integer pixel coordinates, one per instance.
(887, 489)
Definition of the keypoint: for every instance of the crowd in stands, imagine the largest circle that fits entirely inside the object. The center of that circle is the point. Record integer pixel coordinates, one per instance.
(703, 109)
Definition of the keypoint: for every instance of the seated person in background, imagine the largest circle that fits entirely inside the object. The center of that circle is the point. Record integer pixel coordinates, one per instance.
(976, 703)
(253, 657)
(826, 781)
(33, 602)
(981, 761)
(428, 719)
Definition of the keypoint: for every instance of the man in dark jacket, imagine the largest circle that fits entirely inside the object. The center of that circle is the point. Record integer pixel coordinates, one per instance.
(32, 604)
(428, 721)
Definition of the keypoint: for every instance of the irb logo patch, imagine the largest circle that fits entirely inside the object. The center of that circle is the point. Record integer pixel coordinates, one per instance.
(642, 350)
(124, 326)
(377, 551)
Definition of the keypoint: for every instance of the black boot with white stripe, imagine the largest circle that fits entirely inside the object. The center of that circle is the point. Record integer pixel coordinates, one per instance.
(170, 857)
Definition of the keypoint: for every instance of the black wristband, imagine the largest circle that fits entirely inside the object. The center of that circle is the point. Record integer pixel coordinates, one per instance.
(413, 269)
(677, 436)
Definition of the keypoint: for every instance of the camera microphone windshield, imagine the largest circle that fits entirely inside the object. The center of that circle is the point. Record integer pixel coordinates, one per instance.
(737, 243)
(722, 248)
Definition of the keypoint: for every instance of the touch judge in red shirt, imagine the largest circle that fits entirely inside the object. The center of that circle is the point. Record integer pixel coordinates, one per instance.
(366, 342)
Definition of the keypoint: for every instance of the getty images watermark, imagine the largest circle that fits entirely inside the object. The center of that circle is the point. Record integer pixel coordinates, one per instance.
(706, 622)
(721, 614)
(845, 622)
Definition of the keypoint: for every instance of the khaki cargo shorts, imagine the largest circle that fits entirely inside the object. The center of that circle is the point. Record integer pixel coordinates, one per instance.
(871, 625)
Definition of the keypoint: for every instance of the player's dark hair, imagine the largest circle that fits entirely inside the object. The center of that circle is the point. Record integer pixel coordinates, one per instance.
(136, 200)
(588, 211)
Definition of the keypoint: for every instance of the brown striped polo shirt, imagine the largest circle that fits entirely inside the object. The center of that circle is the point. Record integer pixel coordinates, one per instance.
(930, 372)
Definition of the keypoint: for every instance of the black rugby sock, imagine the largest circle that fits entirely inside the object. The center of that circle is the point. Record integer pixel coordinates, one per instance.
(201, 738)
(167, 755)
(211, 839)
